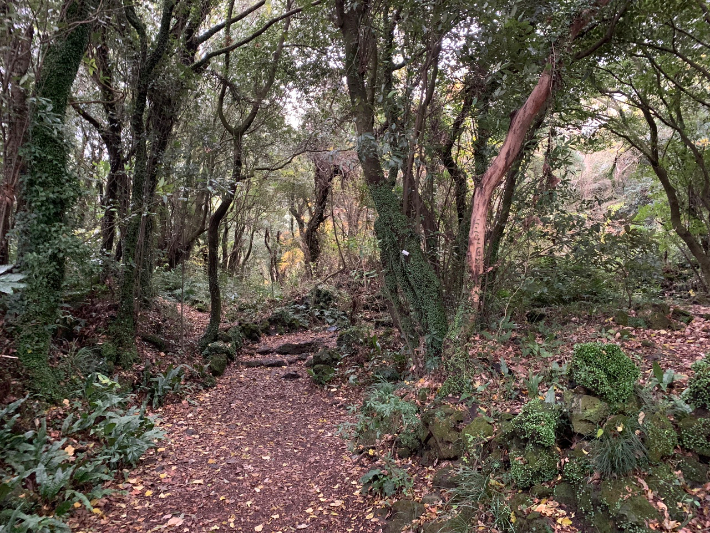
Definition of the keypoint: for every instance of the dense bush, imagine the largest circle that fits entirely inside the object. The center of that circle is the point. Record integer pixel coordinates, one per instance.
(605, 370)
(699, 385)
(537, 423)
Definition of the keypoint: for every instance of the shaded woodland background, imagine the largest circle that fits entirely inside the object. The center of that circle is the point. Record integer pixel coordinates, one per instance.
(452, 172)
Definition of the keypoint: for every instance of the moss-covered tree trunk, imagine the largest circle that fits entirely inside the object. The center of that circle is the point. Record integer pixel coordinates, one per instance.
(410, 279)
(48, 191)
(124, 327)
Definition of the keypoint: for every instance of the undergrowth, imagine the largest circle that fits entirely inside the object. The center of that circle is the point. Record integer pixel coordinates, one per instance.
(62, 464)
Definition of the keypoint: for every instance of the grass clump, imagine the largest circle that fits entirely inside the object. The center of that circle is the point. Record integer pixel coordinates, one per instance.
(605, 370)
(537, 423)
(699, 385)
(618, 451)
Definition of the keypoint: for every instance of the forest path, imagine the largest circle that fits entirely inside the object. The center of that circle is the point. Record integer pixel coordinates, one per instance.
(257, 453)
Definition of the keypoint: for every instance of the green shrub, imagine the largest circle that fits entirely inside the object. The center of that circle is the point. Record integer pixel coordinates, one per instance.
(695, 435)
(699, 385)
(388, 480)
(605, 370)
(535, 466)
(537, 423)
(383, 413)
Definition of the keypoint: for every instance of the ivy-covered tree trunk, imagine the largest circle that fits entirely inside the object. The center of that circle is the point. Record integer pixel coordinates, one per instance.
(48, 191)
(409, 277)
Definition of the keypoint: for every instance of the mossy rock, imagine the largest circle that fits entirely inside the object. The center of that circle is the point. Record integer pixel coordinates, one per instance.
(614, 491)
(519, 504)
(284, 320)
(655, 315)
(635, 512)
(681, 315)
(109, 352)
(478, 429)
(699, 385)
(442, 423)
(540, 491)
(663, 481)
(251, 331)
(661, 438)
(236, 337)
(536, 465)
(537, 423)
(695, 434)
(604, 370)
(219, 348)
(404, 512)
(566, 494)
(326, 356)
(218, 364)
(445, 478)
(387, 373)
(621, 318)
(694, 472)
(586, 413)
(223, 336)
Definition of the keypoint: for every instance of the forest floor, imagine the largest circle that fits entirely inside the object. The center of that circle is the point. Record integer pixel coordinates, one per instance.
(257, 453)
(261, 452)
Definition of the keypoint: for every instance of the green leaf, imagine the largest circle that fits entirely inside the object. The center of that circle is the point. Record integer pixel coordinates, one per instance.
(657, 372)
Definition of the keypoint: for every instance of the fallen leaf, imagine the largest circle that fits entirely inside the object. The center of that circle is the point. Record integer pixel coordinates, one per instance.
(259, 527)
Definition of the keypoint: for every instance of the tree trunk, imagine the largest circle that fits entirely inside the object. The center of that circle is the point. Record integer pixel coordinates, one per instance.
(210, 334)
(18, 119)
(48, 192)
(407, 272)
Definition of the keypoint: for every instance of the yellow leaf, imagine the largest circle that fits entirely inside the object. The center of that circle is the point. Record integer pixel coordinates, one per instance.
(77, 505)
(564, 521)
(620, 428)
(370, 516)
(96, 511)
(161, 449)
(149, 493)
(211, 461)
(512, 518)
(600, 432)
(70, 450)
(163, 476)
(585, 452)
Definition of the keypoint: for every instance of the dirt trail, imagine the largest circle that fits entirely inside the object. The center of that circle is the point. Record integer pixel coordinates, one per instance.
(258, 453)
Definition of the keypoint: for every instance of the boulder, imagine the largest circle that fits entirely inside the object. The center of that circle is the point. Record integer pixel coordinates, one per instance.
(586, 413)
(565, 494)
(479, 429)
(218, 364)
(695, 434)
(694, 472)
(219, 348)
(442, 424)
(322, 374)
(326, 356)
(251, 331)
(655, 315)
(404, 512)
(444, 478)
(291, 348)
(621, 318)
